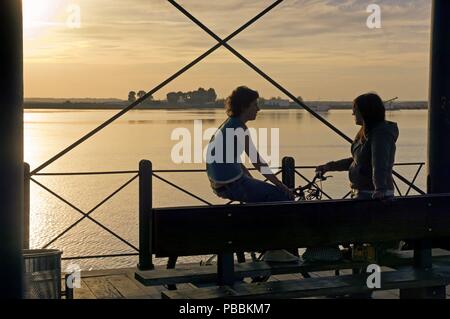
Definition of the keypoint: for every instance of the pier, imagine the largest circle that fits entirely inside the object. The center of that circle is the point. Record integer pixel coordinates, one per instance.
(171, 232)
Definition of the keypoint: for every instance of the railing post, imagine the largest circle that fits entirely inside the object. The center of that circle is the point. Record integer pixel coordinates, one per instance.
(288, 171)
(145, 216)
(26, 207)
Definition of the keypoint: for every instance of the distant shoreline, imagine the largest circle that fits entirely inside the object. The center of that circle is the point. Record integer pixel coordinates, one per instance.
(157, 105)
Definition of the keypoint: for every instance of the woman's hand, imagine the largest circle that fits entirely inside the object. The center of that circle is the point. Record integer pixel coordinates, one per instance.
(322, 169)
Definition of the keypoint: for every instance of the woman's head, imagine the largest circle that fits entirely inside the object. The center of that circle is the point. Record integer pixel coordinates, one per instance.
(368, 110)
(243, 103)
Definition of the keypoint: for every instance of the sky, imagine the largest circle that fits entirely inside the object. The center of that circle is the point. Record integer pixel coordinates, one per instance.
(317, 49)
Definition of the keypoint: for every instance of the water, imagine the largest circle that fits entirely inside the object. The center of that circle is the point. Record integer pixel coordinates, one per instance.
(147, 135)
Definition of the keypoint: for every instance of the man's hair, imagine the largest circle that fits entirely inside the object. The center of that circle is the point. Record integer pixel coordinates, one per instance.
(239, 100)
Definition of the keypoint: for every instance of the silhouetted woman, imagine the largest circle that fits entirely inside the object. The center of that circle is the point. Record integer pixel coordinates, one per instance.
(373, 151)
(370, 166)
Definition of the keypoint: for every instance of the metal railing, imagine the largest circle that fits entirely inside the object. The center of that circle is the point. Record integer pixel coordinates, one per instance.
(289, 177)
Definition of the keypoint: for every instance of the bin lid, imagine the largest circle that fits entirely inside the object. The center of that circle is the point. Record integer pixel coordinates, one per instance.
(34, 253)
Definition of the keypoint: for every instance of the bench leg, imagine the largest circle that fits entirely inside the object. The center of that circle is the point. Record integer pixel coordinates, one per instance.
(225, 269)
(240, 255)
(171, 265)
(172, 262)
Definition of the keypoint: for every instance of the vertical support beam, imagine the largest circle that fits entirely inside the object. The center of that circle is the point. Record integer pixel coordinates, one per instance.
(225, 269)
(11, 149)
(26, 207)
(438, 133)
(438, 120)
(145, 216)
(438, 164)
(439, 101)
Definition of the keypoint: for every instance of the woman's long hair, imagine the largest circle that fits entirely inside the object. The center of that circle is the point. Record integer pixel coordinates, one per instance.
(371, 108)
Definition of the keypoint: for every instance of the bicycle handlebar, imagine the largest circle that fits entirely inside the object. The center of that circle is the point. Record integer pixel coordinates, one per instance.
(300, 191)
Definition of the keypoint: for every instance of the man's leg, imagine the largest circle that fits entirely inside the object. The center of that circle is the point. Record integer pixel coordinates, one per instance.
(257, 191)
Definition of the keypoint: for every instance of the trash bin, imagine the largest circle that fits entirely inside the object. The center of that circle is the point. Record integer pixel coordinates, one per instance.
(42, 279)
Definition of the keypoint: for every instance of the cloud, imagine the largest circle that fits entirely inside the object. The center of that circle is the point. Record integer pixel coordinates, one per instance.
(309, 34)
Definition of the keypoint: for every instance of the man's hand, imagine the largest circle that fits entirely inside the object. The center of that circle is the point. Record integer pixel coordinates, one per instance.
(287, 191)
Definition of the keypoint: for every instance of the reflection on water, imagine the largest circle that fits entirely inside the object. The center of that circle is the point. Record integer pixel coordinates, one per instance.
(145, 134)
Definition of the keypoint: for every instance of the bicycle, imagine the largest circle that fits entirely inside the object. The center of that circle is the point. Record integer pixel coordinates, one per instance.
(311, 191)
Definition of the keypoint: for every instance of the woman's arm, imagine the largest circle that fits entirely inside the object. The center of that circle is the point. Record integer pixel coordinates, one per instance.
(341, 165)
(383, 156)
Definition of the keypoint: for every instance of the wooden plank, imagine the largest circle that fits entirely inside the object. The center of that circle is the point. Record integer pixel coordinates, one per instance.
(126, 287)
(201, 293)
(388, 294)
(202, 230)
(105, 272)
(153, 292)
(84, 292)
(102, 289)
(288, 277)
(340, 285)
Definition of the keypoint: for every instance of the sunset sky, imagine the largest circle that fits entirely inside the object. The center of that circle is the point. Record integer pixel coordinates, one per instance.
(319, 49)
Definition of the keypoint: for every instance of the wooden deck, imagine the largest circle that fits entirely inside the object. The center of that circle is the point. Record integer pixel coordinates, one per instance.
(120, 284)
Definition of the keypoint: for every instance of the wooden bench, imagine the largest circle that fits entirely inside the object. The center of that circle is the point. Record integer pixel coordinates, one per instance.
(225, 229)
(197, 274)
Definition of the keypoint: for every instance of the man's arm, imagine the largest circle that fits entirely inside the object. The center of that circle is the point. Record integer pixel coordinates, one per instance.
(259, 163)
(246, 171)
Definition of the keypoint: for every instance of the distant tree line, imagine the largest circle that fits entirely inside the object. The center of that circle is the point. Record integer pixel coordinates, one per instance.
(198, 97)
(133, 96)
